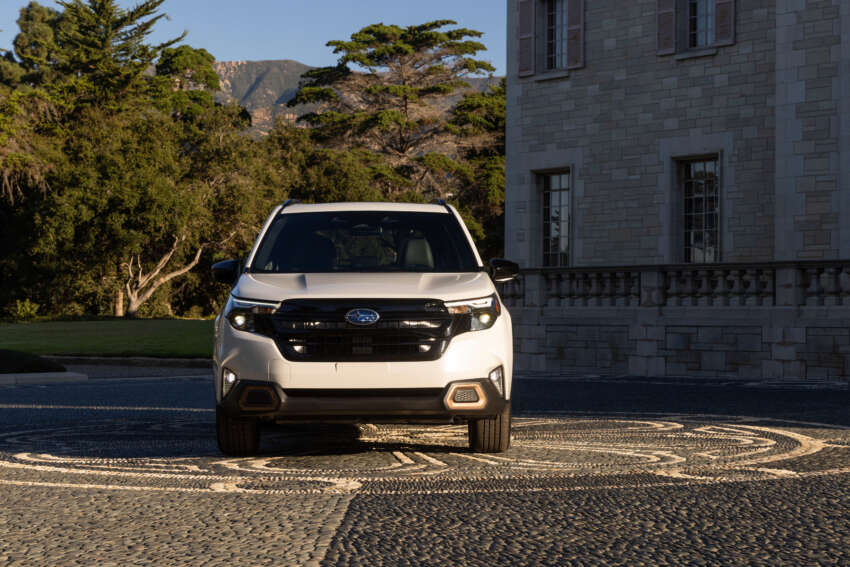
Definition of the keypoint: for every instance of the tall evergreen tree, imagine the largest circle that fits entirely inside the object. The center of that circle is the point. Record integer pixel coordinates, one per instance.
(142, 162)
(36, 45)
(479, 122)
(389, 94)
(105, 47)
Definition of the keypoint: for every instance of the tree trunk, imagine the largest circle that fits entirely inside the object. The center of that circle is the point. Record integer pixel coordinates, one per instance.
(133, 308)
(140, 287)
(119, 302)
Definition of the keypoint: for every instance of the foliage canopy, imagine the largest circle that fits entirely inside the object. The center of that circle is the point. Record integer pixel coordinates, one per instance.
(120, 174)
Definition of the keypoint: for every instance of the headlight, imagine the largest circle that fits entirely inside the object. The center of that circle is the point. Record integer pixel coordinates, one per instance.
(475, 314)
(242, 313)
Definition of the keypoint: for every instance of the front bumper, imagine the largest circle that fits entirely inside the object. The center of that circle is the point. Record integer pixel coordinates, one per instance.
(270, 402)
(469, 356)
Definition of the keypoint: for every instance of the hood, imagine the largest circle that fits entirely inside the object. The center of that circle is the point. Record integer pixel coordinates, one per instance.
(446, 287)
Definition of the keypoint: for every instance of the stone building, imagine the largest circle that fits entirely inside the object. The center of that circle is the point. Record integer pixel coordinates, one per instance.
(678, 187)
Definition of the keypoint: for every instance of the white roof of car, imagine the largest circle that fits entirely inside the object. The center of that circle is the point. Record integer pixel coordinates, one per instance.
(332, 207)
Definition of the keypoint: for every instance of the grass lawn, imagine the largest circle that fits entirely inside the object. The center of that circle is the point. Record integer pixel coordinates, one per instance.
(170, 338)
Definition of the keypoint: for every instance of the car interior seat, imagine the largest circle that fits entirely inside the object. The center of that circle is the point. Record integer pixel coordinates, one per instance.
(417, 254)
(318, 254)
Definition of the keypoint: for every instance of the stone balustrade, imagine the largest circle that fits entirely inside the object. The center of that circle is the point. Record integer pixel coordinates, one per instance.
(774, 321)
(826, 285)
(719, 287)
(578, 288)
(709, 285)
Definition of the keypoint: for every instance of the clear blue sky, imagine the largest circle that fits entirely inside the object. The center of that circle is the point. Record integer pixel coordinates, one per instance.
(298, 29)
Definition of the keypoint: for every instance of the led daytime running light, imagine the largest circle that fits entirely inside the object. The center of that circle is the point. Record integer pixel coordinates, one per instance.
(468, 305)
(476, 314)
(249, 303)
(241, 312)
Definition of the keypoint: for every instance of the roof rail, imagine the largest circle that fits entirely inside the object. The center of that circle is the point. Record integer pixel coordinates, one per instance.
(289, 202)
(441, 202)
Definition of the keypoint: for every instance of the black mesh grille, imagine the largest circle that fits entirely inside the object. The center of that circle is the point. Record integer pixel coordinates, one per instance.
(317, 330)
(465, 395)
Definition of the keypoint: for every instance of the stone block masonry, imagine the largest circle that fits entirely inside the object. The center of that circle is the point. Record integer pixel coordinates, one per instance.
(620, 123)
(569, 324)
(769, 106)
(772, 105)
(753, 345)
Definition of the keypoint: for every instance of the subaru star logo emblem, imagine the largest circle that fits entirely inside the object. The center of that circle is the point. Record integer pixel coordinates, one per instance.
(362, 316)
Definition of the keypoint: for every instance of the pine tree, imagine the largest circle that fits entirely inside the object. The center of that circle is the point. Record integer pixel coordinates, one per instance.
(389, 94)
(104, 48)
(479, 122)
(36, 45)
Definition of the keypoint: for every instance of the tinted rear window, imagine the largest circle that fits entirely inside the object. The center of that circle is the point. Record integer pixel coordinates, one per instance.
(364, 241)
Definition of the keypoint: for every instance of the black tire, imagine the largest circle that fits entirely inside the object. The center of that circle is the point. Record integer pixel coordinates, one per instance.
(491, 434)
(237, 437)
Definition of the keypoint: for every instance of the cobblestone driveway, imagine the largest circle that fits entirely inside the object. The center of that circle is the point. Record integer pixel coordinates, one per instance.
(126, 471)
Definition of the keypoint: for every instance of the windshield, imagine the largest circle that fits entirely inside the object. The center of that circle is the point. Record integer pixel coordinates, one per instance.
(364, 241)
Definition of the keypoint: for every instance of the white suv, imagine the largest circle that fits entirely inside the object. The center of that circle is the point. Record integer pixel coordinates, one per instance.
(363, 312)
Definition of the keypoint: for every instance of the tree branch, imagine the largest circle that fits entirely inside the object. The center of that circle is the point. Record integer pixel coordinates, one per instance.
(161, 264)
(170, 276)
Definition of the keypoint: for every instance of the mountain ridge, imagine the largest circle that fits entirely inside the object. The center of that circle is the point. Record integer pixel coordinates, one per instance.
(264, 87)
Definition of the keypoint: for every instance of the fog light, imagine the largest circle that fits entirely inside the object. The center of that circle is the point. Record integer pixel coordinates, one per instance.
(424, 348)
(497, 377)
(298, 348)
(465, 395)
(228, 380)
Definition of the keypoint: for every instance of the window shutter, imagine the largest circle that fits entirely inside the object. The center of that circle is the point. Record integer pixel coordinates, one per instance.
(724, 11)
(575, 34)
(666, 16)
(525, 34)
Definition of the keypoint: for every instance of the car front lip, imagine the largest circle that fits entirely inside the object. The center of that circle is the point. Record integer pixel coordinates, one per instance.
(358, 405)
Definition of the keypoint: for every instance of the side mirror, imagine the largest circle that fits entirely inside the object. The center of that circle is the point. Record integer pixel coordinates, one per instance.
(226, 272)
(503, 270)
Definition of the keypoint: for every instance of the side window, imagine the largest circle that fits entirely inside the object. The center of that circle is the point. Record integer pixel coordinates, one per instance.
(699, 184)
(556, 34)
(694, 25)
(557, 217)
(699, 23)
(550, 35)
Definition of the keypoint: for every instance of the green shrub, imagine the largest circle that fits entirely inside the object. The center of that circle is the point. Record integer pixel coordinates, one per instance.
(24, 310)
(194, 312)
(72, 310)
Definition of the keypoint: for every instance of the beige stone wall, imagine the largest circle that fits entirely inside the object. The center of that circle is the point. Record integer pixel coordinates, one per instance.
(758, 344)
(809, 108)
(779, 321)
(620, 121)
(775, 106)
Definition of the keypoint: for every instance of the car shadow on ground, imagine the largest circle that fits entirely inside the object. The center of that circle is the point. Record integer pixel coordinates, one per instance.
(128, 435)
(340, 439)
(136, 437)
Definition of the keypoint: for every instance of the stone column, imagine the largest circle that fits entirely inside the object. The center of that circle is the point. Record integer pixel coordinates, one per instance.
(789, 291)
(808, 121)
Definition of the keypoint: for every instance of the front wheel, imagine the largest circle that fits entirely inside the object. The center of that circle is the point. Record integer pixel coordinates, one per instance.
(491, 434)
(237, 437)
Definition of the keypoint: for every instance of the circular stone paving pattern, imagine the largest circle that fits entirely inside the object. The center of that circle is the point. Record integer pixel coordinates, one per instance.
(549, 453)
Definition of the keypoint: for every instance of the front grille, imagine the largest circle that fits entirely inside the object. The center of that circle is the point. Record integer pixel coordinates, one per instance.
(316, 330)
